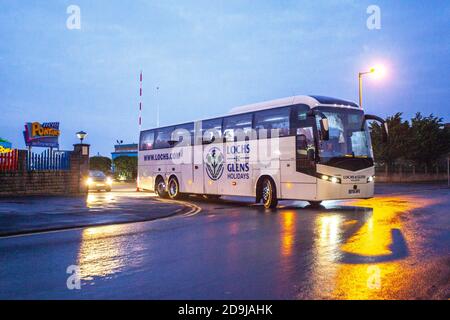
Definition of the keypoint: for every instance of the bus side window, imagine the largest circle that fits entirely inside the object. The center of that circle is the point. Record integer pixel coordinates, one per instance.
(211, 131)
(184, 134)
(147, 140)
(302, 144)
(238, 127)
(305, 140)
(163, 137)
(300, 117)
(273, 119)
(305, 144)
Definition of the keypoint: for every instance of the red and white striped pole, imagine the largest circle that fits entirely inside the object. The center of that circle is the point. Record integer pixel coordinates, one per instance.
(140, 102)
(140, 119)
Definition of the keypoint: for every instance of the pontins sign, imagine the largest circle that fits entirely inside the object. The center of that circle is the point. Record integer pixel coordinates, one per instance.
(42, 135)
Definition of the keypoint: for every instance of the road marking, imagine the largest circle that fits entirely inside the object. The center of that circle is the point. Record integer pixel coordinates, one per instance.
(194, 208)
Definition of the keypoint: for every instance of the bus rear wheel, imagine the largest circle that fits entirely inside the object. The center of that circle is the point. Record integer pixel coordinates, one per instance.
(160, 188)
(173, 188)
(269, 194)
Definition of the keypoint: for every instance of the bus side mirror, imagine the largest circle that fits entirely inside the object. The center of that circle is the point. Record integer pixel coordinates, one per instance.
(384, 126)
(325, 129)
(311, 154)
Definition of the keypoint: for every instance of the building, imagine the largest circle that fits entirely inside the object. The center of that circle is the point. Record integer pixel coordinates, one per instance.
(127, 150)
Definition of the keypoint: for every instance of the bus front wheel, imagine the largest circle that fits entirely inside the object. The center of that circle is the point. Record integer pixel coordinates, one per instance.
(269, 194)
(174, 188)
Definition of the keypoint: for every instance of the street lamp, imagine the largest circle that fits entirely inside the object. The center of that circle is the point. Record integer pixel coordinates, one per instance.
(157, 107)
(81, 135)
(377, 70)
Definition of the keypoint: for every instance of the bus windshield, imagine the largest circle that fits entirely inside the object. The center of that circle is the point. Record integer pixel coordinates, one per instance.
(349, 137)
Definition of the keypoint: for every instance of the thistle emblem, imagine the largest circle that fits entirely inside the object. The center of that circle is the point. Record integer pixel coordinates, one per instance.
(214, 163)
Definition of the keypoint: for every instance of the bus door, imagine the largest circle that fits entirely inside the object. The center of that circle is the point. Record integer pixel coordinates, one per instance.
(197, 169)
(197, 161)
(305, 148)
(305, 152)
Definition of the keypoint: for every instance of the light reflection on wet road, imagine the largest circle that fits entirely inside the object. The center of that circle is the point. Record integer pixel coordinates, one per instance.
(387, 247)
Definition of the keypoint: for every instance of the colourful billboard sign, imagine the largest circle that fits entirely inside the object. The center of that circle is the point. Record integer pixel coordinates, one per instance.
(42, 134)
(5, 146)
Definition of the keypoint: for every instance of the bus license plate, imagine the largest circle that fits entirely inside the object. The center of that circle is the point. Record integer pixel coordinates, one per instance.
(354, 191)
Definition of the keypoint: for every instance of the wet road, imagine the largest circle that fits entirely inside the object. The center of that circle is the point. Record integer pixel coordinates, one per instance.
(389, 247)
(19, 215)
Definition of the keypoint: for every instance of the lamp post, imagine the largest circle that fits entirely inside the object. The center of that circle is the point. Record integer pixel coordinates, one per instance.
(360, 75)
(81, 135)
(377, 70)
(157, 107)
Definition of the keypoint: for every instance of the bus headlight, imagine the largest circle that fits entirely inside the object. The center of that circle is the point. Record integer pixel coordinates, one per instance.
(370, 178)
(89, 181)
(329, 178)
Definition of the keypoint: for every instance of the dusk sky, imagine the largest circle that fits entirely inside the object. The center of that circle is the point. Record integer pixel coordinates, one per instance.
(209, 56)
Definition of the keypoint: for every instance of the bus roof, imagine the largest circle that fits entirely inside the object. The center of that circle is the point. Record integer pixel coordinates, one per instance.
(311, 101)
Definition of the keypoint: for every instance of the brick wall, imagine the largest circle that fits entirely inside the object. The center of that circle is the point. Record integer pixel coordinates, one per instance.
(63, 182)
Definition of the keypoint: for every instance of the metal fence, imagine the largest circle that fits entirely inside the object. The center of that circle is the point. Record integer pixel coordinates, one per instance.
(439, 167)
(48, 160)
(9, 161)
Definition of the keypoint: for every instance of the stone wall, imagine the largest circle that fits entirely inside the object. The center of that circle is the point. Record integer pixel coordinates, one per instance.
(46, 182)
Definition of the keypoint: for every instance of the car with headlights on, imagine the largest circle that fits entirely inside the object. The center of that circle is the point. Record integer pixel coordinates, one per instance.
(97, 180)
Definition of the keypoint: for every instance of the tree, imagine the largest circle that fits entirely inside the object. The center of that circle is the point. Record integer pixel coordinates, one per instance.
(100, 163)
(429, 141)
(125, 167)
(398, 143)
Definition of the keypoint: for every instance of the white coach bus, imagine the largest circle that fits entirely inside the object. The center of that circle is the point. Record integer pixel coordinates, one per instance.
(310, 148)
